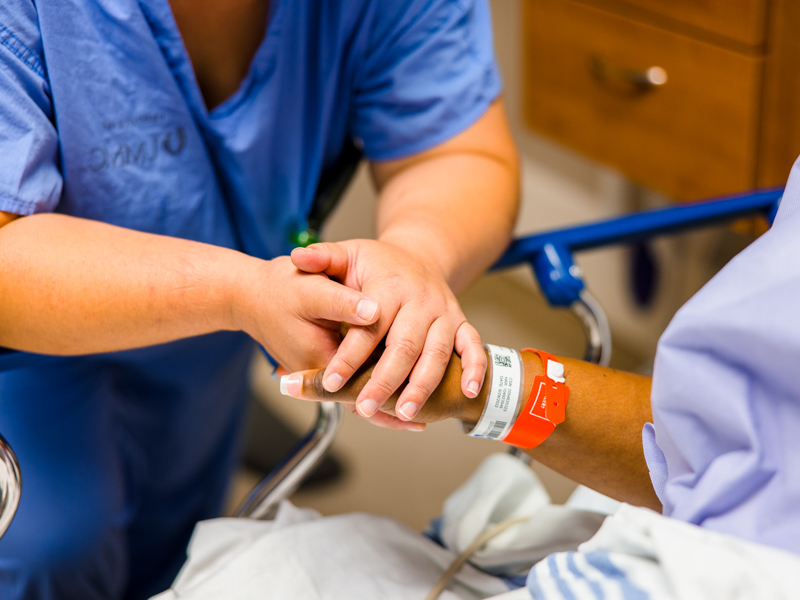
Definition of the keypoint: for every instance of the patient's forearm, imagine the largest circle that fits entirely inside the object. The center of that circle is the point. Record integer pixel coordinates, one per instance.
(599, 444)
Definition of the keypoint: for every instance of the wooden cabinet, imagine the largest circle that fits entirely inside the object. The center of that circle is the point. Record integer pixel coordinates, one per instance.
(741, 21)
(691, 97)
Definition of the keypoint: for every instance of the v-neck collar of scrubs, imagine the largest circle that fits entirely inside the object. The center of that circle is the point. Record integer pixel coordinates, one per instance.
(168, 37)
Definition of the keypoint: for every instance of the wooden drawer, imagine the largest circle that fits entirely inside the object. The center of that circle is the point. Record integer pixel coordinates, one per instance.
(694, 136)
(740, 20)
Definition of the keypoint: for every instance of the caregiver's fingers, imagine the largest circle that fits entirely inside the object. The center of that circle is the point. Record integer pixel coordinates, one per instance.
(329, 258)
(469, 346)
(404, 344)
(356, 347)
(332, 301)
(428, 370)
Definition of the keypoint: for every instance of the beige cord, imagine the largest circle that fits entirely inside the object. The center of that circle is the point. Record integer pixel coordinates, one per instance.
(476, 545)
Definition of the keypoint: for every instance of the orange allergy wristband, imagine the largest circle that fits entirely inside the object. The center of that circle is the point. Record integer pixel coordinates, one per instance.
(545, 408)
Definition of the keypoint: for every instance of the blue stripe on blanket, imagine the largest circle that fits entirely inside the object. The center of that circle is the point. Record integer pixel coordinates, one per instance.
(601, 562)
(593, 585)
(563, 584)
(535, 585)
(564, 581)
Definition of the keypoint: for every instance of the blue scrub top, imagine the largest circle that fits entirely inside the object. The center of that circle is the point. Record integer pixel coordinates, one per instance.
(101, 117)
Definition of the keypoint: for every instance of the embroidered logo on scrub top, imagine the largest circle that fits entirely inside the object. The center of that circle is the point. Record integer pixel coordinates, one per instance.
(139, 150)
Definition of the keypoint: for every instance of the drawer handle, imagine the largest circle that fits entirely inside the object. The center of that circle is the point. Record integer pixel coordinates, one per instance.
(631, 81)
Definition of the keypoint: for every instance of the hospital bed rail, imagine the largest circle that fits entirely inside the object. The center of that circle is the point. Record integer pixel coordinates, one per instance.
(549, 254)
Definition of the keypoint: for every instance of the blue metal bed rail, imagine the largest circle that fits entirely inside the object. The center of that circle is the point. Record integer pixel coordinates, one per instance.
(550, 252)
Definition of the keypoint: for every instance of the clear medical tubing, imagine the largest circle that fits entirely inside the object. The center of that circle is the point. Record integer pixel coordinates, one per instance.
(10, 485)
(262, 502)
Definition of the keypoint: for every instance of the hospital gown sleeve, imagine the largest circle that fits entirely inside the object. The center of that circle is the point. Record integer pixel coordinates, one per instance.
(30, 181)
(726, 395)
(429, 73)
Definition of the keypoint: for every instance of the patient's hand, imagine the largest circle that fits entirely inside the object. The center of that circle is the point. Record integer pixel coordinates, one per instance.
(446, 402)
(599, 444)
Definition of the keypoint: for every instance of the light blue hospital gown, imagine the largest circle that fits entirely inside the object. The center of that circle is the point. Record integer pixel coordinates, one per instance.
(724, 446)
(101, 117)
(725, 453)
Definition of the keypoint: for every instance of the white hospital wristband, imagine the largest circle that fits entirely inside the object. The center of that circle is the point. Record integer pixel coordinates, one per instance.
(505, 394)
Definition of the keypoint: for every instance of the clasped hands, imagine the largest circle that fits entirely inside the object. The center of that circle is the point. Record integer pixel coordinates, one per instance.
(389, 296)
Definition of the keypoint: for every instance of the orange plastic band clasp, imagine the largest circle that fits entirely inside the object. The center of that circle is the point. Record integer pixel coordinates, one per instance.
(545, 408)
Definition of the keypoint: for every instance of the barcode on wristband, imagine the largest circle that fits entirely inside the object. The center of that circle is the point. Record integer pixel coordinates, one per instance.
(502, 361)
(497, 429)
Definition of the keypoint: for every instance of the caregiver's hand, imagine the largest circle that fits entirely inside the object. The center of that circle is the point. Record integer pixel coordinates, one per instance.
(296, 316)
(420, 318)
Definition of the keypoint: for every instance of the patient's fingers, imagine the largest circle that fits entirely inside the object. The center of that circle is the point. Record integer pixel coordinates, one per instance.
(473, 359)
(301, 385)
(307, 385)
(387, 421)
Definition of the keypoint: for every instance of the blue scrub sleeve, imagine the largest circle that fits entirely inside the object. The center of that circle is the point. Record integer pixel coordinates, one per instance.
(430, 74)
(30, 181)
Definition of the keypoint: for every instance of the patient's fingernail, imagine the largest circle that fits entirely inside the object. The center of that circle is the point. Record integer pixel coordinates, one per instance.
(332, 382)
(291, 385)
(409, 410)
(366, 308)
(367, 408)
(473, 387)
(418, 429)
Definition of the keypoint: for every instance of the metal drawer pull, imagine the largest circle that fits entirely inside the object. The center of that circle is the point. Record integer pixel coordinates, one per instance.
(632, 81)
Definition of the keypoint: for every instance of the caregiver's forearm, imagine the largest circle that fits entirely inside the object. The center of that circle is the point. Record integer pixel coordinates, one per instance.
(454, 207)
(74, 286)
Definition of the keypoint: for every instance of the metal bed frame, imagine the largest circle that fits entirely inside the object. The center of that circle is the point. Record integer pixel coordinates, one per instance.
(549, 254)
